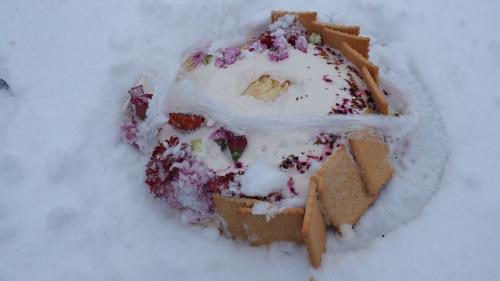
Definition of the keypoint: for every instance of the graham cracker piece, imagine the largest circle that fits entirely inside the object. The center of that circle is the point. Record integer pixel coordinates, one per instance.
(314, 229)
(334, 39)
(227, 207)
(359, 61)
(348, 29)
(305, 18)
(371, 154)
(342, 192)
(377, 95)
(285, 226)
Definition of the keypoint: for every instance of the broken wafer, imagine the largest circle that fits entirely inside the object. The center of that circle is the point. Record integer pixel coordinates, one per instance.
(372, 156)
(334, 39)
(265, 88)
(377, 95)
(314, 229)
(342, 192)
(226, 208)
(285, 226)
(359, 61)
(305, 18)
(348, 29)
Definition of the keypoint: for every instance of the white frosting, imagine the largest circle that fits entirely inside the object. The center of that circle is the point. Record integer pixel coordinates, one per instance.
(262, 178)
(308, 92)
(267, 148)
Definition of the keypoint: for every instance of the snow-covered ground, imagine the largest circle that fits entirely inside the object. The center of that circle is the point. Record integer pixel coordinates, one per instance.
(73, 205)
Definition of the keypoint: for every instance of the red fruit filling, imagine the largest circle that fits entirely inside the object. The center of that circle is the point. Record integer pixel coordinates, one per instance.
(139, 101)
(181, 180)
(235, 143)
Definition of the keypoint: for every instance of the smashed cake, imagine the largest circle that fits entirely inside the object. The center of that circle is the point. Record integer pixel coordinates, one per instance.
(244, 143)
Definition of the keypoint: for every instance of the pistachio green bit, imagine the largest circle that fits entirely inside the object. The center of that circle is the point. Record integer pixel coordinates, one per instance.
(314, 38)
(236, 156)
(207, 59)
(196, 145)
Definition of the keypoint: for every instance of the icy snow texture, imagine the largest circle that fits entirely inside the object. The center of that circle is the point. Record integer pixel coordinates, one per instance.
(262, 179)
(265, 208)
(73, 204)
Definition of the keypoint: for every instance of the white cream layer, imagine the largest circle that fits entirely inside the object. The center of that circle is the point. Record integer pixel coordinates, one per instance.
(269, 148)
(307, 94)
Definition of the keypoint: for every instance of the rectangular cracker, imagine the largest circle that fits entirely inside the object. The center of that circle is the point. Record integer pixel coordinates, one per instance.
(371, 154)
(377, 95)
(342, 192)
(226, 208)
(334, 40)
(359, 61)
(285, 226)
(314, 229)
(305, 18)
(348, 29)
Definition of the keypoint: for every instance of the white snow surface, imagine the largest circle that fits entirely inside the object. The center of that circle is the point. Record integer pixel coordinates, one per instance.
(262, 179)
(73, 205)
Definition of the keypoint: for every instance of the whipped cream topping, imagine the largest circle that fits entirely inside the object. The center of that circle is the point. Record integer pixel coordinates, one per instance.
(321, 80)
(317, 83)
(273, 149)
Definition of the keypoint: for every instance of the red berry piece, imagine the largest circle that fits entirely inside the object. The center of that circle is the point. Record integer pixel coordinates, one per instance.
(139, 101)
(236, 145)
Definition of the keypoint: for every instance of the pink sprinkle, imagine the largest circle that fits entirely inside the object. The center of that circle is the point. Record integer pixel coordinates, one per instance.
(327, 79)
(291, 186)
(301, 44)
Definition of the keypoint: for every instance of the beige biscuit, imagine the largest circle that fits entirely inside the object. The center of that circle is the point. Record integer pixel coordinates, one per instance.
(226, 208)
(334, 39)
(371, 154)
(359, 61)
(342, 192)
(314, 229)
(285, 226)
(348, 29)
(377, 95)
(305, 18)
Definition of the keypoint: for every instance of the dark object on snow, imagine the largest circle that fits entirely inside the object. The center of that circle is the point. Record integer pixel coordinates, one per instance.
(3, 85)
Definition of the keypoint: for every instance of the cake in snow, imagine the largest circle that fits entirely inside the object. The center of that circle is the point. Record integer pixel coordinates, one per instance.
(248, 141)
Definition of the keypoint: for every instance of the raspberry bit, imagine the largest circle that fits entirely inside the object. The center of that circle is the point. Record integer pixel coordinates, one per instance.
(176, 176)
(139, 101)
(236, 143)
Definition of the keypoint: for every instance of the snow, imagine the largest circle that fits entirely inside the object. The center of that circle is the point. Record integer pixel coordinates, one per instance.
(262, 179)
(73, 204)
(346, 232)
(265, 208)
